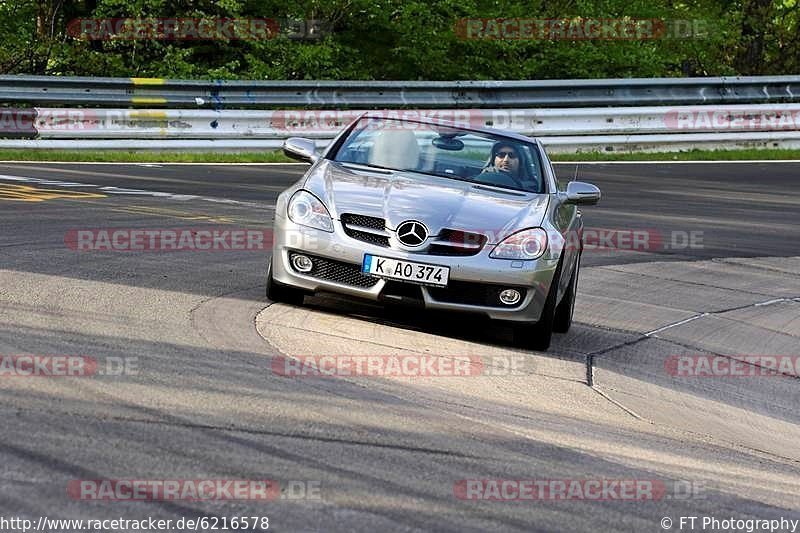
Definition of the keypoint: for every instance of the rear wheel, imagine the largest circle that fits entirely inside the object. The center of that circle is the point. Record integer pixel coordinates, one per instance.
(566, 309)
(282, 293)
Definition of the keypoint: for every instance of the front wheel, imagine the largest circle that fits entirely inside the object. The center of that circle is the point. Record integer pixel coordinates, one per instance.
(566, 309)
(537, 336)
(534, 336)
(282, 293)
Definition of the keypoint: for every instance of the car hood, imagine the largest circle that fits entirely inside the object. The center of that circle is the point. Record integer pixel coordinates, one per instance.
(440, 203)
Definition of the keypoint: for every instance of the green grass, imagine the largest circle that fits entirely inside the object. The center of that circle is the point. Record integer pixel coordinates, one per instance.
(275, 156)
(115, 156)
(693, 155)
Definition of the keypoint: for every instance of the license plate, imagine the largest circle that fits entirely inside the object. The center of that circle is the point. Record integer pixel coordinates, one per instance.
(424, 274)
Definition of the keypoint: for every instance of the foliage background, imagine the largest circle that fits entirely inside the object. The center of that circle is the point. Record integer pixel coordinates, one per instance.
(403, 40)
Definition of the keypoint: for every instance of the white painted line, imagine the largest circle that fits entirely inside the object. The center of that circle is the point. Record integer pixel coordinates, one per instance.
(701, 315)
(134, 192)
(631, 412)
(682, 322)
(770, 302)
(42, 181)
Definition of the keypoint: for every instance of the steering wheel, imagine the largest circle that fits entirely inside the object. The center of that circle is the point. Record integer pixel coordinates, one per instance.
(498, 178)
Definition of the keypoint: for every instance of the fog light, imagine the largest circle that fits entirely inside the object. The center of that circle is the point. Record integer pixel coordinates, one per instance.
(302, 263)
(510, 296)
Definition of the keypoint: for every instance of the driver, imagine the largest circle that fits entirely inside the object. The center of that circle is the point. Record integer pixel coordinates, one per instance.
(505, 159)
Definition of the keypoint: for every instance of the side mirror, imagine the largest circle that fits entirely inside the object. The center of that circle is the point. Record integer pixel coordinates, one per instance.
(300, 149)
(581, 193)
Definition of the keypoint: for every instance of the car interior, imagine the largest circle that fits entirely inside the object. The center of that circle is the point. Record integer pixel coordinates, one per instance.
(403, 149)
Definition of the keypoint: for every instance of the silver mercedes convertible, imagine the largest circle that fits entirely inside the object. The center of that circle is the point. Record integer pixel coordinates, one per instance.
(430, 214)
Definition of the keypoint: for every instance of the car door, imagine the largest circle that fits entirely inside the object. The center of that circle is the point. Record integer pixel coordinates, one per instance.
(568, 221)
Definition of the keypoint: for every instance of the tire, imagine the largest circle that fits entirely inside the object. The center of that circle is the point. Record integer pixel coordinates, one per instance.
(566, 309)
(282, 293)
(537, 336)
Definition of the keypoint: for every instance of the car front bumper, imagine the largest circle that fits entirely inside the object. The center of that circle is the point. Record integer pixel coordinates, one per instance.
(535, 276)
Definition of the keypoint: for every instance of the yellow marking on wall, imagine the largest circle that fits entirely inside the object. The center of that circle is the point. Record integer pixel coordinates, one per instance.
(150, 113)
(148, 81)
(26, 193)
(147, 100)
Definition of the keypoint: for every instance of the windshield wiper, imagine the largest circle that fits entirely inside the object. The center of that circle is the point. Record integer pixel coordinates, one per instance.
(386, 170)
(504, 190)
(370, 168)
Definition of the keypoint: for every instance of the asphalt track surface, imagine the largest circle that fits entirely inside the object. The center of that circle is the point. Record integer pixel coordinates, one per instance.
(383, 453)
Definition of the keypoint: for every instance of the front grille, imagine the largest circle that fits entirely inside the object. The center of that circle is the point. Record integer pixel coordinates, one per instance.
(363, 220)
(376, 223)
(337, 271)
(378, 240)
(449, 242)
(469, 293)
(458, 243)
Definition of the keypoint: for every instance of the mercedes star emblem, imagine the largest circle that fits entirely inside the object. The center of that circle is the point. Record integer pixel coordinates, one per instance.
(412, 233)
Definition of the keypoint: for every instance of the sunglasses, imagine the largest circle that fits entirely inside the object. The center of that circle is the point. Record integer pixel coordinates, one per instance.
(501, 155)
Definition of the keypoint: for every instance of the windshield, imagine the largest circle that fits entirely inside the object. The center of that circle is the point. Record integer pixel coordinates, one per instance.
(445, 151)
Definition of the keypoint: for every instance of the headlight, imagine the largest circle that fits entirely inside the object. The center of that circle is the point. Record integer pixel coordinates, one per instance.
(526, 244)
(307, 210)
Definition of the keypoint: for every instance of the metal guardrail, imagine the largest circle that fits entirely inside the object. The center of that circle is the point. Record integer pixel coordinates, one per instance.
(569, 115)
(677, 142)
(221, 94)
(59, 123)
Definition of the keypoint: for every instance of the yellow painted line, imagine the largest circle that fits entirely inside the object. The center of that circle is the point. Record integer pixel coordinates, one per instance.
(148, 81)
(26, 193)
(159, 211)
(173, 213)
(147, 100)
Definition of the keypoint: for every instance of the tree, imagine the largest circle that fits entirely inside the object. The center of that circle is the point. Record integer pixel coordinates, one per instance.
(403, 40)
